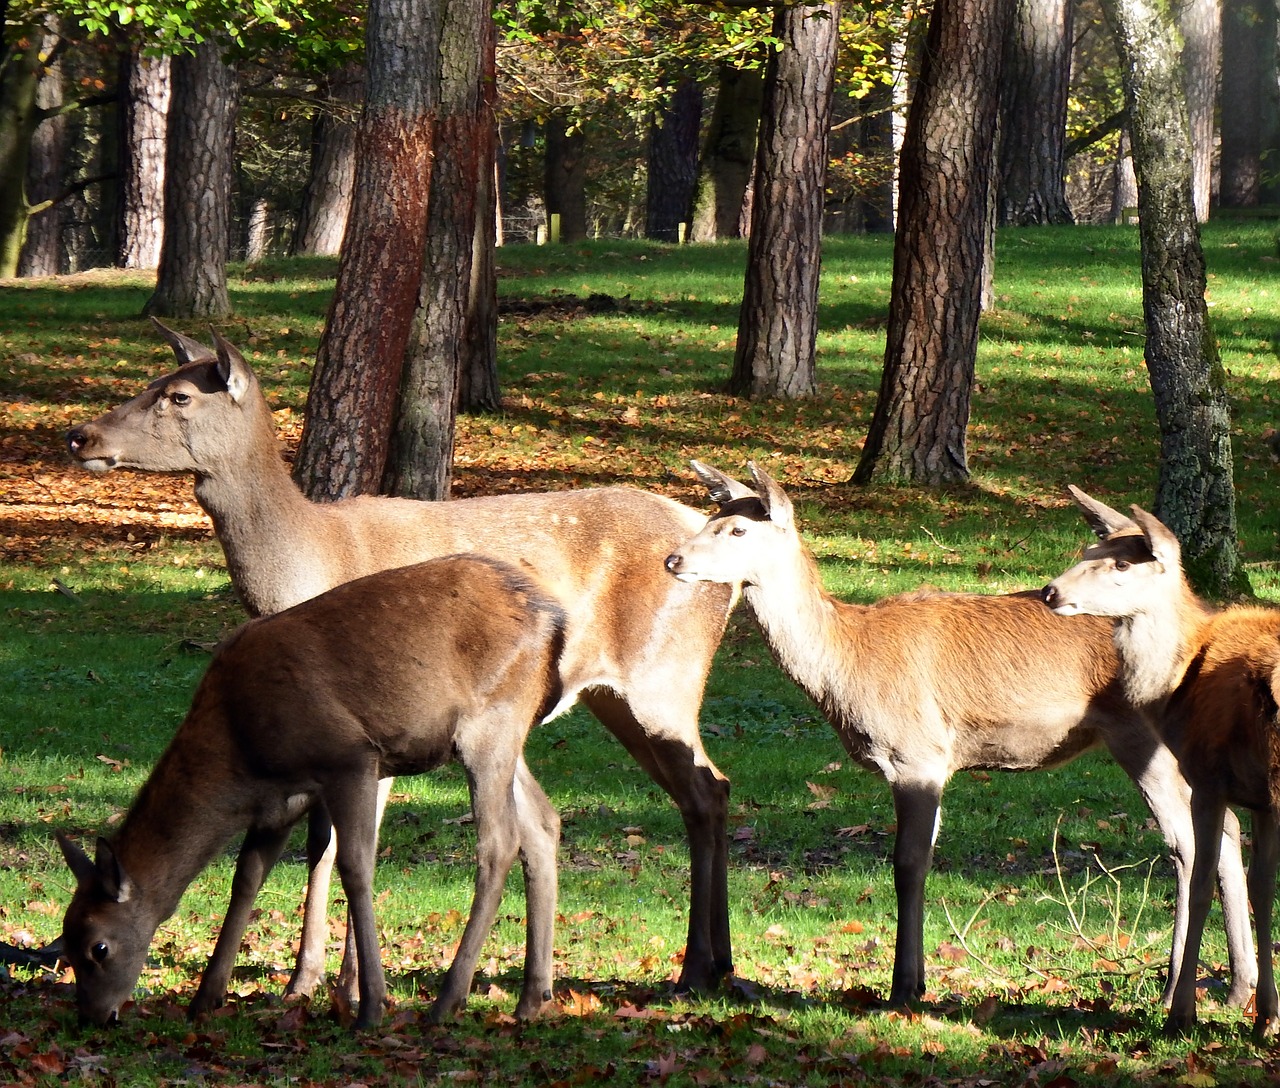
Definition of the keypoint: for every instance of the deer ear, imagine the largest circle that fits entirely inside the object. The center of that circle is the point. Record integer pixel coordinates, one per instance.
(776, 503)
(111, 875)
(1100, 517)
(80, 864)
(721, 488)
(1160, 539)
(185, 349)
(232, 368)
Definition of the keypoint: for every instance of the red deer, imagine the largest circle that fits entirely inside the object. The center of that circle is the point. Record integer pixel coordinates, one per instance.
(926, 684)
(395, 673)
(639, 644)
(1210, 680)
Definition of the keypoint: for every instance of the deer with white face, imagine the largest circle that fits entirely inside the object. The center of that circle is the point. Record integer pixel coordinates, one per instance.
(396, 673)
(639, 644)
(1210, 682)
(924, 685)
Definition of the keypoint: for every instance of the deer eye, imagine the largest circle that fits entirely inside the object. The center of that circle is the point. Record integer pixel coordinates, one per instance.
(737, 530)
(99, 952)
(1123, 564)
(180, 399)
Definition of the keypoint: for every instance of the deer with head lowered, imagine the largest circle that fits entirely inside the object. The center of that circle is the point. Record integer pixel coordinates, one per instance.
(395, 673)
(638, 644)
(926, 684)
(1210, 681)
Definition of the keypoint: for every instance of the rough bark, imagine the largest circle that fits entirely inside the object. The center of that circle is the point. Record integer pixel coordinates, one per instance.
(199, 166)
(1194, 497)
(728, 152)
(778, 321)
(352, 402)
(918, 431)
(326, 199)
(565, 178)
(673, 163)
(1200, 22)
(1249, 121)
(478, 386)
(42, 249)
(1033, 116)
(421, 456)
(20, 70)
(144, 109)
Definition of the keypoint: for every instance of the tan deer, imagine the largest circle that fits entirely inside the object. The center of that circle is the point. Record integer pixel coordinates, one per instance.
(926, 684)
(1210, 681)
(392, 674)
(639, 645)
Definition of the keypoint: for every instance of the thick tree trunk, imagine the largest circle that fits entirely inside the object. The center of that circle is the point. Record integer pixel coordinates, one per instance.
(326, 200)
(46, 181)
(565, 178)
(144, 109)
(918, 432)
(20, 70)
(673, 163)
(778, 321)
(421, 457)
(1195, 497)
(1033, 121)
(1249, 119)
(727, 155)
(1200, 22)
(199, 166)
(352, 402)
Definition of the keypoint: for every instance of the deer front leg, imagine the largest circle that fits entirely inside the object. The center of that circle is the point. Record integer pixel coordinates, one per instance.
(349, 972)
(1206, 818)
(917, 808)
(539, 846)
(1262, 892)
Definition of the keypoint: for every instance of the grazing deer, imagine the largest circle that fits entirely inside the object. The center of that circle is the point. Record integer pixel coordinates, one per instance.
(1211, 682)
(395, 673)
(639, 645)
(926, 684)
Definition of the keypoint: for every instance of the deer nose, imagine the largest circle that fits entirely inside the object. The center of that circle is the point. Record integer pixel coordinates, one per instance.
(672, 562)
(1049, 595)
(76, 439)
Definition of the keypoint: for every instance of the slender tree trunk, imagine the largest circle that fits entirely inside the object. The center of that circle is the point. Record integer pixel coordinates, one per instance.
(20, 70)
(727, 155)
(1200, 22)
(144, 109)
(352, 403)
(565, 178)
(421, 457)
(1195, 496)
(1033, 126)
(46, 181)
(778, 321)
(199, 166)
(1249, 114)
(918, 431)
(1125, 193)
(478, 387)
(326, 200)
(673, 163)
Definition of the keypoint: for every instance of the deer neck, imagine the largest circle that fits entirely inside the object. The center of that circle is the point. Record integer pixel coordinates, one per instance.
(1157, 646)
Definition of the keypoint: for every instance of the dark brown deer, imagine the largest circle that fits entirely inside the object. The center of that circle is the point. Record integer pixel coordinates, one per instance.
(1210, 681)
(926, 684)
(639, 644)
(392, 674)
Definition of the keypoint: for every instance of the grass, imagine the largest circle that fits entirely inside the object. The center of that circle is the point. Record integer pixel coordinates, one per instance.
(112, 590)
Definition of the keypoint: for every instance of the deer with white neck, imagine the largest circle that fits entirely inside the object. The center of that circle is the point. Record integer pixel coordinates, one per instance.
(926, 684)
(1210, 681)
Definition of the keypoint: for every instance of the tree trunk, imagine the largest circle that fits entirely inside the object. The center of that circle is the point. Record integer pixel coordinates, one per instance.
(326, 200)
(478, 387)
(352, 402)
(727, 155)
(778, 321)
(1195, 497)
(199, 165)
(20, 70)
(673, 163)
(1033, 121)
(144, 108)
(46, 181)
(918, 432)
(565, 178)
(1200, 22)
(421, 457)
(1249, 114)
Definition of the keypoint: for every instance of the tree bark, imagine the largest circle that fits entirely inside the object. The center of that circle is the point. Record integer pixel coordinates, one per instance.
(352, 402)
(778, 321)
(199, 166)
(20, 70)
(727, 155)
(478, 386)
(918, 431)
(1249, 115)
(46, 181)
(1195, 496)
(440, 344)
(1200, 22)
(1033, 122)
(565, 178)
(673, 163)
(144, 109)
(326, 199)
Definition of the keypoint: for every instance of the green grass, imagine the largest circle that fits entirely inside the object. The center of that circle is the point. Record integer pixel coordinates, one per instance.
(94, 679)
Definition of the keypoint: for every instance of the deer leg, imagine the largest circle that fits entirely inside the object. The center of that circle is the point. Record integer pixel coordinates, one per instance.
(539, 846)
(349, 972)
(308, 969)
(261, 849)
(1262, 892)
(674, 758)
(1207, 814)
(917, 807)
(497, 843)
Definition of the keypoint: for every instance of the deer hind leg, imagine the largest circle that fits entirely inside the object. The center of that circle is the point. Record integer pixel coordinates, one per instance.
(917, 804)
(1262, 891)
(260, 851)
(322, 848)
(539, 846)
(671, 753)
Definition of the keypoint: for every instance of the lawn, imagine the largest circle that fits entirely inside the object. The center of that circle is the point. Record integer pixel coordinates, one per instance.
(1050, 903)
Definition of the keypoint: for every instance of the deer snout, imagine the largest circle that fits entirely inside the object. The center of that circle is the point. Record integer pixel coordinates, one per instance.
(1049, 595)
(77, 438)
